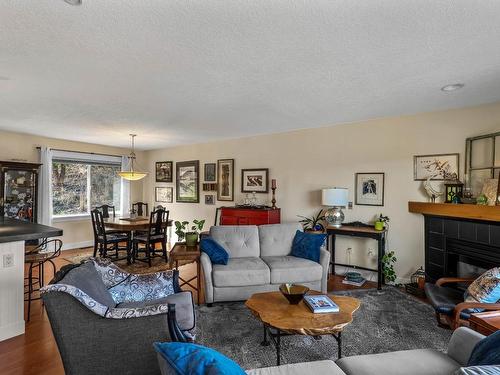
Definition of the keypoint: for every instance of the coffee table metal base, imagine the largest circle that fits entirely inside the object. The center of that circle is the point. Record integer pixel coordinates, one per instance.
(276, 339)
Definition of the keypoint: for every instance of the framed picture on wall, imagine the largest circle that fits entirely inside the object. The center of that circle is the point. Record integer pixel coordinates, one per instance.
(210, 199)
(210, 172)
(187, 187)
(255, 180)
(370, 189)
(164, 194)
(164, 171)
(438, 167)
(225, 175)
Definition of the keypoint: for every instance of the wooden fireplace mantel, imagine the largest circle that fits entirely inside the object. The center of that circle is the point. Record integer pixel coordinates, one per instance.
(463, 211)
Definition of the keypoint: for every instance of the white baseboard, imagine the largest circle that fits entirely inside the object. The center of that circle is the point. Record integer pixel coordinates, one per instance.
(77, 245)
(11, 330)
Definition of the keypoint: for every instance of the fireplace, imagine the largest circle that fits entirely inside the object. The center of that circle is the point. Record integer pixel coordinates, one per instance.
(457, 247)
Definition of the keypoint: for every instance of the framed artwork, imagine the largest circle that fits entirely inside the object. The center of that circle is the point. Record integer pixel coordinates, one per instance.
(208, 186)
(187, 182)
(370, 189)
(255, 180)
(210, 199)
(164, 194)
(225, 175)
(210, 172)
(164, 171)
(438, 167)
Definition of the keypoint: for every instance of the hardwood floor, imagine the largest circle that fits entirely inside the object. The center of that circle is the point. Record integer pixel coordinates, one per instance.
(36, 352)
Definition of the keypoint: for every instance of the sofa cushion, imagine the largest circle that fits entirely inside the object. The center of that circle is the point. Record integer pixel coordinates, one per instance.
(87, 279)
(193, 359)
(290, 269)
(277, 239)
(241, 272)
(240, 241)
(486, 351)
(216, 253)
(308, 245)
(408, 362)
(184, 308)
(317, 367)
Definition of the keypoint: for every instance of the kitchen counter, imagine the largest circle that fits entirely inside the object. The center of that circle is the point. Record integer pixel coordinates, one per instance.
(16, 230)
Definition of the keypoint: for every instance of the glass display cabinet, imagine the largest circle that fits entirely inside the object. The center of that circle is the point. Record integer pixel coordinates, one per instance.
(19, 192)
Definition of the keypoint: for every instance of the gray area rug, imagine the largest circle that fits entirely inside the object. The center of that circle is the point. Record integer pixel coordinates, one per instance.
(386, 321)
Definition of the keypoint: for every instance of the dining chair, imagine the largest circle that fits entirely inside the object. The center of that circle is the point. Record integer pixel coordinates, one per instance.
(106, 209)
(140, 208)
(157, 233)
(105, 241)
(35, 258)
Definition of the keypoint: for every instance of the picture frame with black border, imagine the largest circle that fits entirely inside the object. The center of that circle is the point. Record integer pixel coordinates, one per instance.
(164, 194)
(225, 177)
(164, 171)
(187, 183)
(210, 172)
(255, 180)
(369, 188)
(210, 199)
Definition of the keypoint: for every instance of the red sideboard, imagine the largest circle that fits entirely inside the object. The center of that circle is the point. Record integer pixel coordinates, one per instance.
(249, 216)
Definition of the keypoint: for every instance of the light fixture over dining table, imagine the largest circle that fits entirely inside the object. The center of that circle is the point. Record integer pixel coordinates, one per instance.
(130, 172)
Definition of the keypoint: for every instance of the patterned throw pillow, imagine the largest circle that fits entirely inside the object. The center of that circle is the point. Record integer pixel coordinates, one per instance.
(486, 288)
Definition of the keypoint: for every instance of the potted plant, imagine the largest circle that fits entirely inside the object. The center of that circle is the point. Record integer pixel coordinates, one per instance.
(388, 261)
(313, 224)
(191, 237)
(381, 222)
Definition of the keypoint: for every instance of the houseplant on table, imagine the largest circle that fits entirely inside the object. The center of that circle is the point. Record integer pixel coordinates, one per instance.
(191, 237)
(313, 224)
(381, 222)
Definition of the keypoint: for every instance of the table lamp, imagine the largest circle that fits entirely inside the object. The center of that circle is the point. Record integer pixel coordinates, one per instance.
(335, 198)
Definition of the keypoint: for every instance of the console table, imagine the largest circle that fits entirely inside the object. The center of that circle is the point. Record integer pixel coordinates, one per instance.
(358, 231)
(485, 323)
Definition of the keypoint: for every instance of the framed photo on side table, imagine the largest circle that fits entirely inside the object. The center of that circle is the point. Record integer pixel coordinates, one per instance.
(187, 188)
(164, 171)
(370, 189)
(225, 175)
(255, 180)
(164, 194)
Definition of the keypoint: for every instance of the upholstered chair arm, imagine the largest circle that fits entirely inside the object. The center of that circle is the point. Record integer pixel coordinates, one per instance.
(462, 343)
(206, 265)
(447, 280)
(472, 305)
(324, 260)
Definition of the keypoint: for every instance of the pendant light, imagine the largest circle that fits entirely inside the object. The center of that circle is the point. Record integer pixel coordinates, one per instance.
(130, 173)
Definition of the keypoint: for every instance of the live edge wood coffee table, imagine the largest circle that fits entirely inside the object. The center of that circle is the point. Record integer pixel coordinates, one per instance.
(274, 311)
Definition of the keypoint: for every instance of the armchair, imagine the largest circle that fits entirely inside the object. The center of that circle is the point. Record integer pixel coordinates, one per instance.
(449, 302)
(106, 320)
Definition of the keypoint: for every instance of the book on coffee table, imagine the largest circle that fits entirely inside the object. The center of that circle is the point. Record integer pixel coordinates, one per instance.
(321, 304)
(353, 282)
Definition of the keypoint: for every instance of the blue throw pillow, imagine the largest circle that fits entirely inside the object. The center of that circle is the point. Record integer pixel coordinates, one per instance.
(307, 245)
(193, 359)
(216, 253)
(486, 351)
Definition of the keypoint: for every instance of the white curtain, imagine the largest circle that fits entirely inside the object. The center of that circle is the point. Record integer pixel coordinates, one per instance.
(125, 193)
(45, 187)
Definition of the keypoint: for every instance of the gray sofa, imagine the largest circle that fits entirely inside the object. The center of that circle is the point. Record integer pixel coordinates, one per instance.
(106, 320)
(408, 362)
(259, 261)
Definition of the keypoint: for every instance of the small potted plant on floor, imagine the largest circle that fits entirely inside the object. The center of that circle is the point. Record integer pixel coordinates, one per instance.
(313, 224)
(191, 237)
(381, 222)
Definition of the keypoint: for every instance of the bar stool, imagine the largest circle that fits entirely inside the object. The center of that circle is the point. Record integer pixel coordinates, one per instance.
(36, 258)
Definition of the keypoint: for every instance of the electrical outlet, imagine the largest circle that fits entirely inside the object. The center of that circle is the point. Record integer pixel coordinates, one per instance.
(348, 250)
(349, 205)
(8, 260)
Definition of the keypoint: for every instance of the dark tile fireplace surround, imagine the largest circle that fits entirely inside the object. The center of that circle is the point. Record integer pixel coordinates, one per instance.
(460, 247)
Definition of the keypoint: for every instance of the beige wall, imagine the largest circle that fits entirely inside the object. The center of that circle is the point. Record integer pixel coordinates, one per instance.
(303, 162)
(23, 147)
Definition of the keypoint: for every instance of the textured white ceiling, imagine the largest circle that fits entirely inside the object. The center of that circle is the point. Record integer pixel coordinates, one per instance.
(180, 71)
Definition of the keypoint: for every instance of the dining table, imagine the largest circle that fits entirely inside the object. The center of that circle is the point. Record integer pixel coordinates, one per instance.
(130, 224)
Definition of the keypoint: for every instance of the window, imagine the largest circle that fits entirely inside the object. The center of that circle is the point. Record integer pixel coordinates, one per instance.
(83, 181)
(482, 160)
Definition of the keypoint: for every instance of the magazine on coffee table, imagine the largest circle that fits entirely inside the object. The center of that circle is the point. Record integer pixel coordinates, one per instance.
(321, 304)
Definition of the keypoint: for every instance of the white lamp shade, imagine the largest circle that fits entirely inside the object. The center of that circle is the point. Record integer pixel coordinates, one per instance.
(335, 197)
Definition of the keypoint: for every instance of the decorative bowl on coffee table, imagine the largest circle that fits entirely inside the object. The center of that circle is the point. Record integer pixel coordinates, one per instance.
(294, 293)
